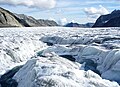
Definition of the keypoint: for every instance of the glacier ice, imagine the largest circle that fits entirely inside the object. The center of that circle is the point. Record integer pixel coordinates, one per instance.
(54, 71)
(96, 49)
(17, 46)
(105, 61)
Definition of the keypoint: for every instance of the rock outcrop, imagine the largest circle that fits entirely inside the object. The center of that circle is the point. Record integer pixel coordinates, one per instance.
(109, 20)
(9, 19)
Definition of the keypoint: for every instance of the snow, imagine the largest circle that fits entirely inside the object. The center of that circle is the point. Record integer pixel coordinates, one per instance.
(96, 49)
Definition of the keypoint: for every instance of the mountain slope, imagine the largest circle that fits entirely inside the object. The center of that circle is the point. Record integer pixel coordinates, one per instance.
(110, 20)
(29, 21)
(47, 22)
(87, 25)
(8, 19)
(114, 22)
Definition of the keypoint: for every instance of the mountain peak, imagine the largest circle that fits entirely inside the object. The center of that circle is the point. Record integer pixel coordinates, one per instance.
(115, 12)
(109, 20)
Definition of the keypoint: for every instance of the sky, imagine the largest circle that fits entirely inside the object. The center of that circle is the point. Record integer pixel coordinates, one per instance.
(62, 11)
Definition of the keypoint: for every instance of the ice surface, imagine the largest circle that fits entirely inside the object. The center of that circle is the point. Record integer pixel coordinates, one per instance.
(55, 71)
(97, 49)
(106, 61)
(17, 46)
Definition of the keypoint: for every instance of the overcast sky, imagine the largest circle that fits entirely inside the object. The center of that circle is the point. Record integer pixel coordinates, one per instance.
(62, 11)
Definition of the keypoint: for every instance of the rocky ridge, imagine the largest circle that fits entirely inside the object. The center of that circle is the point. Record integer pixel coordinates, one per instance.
(9, 19)
(109, 20)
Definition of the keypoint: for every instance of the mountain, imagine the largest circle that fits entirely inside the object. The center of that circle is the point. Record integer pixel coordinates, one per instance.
(9, 19)
(109, 20)
(87, 25)
(29, 21)
(47, 22)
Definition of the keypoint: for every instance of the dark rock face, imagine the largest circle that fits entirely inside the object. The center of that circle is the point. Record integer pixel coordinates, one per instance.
(8, 19)
(88, 25)
(114, 22)
(110, 20)
(6, 79)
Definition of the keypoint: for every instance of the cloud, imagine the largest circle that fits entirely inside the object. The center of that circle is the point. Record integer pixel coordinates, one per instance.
(50, 18)
(95, 12)
(62, 21)
(42, 4)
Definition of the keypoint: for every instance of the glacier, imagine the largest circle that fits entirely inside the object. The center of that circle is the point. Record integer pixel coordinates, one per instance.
(54, 71)
(61, 57)
(16, 47)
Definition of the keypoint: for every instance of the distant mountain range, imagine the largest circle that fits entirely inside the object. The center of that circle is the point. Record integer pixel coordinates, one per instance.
(9, 19)
(109, 20)
(87, 25)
